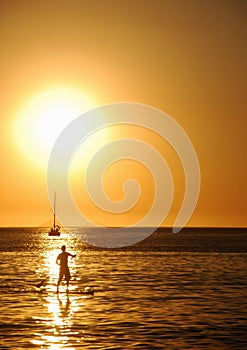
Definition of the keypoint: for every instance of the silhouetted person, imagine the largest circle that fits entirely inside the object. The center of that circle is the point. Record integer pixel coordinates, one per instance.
(62, 261)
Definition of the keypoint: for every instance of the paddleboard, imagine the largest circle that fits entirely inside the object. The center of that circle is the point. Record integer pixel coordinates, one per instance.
(44, 290)
(85, 291)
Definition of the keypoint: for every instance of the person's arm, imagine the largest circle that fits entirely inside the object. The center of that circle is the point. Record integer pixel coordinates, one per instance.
(72, 255)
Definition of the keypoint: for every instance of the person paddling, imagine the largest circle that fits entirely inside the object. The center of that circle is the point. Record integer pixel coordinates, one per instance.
(62, 261)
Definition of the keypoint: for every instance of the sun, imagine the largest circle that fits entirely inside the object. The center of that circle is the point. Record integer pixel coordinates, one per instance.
(43, 118)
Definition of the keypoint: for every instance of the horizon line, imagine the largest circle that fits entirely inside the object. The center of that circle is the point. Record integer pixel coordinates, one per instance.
(126, 227)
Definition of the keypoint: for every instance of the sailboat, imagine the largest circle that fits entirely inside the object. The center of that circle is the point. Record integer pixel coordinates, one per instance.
(55, 229)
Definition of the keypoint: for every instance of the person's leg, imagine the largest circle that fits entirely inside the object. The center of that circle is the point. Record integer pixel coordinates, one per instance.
(67, 277)
(59, 280)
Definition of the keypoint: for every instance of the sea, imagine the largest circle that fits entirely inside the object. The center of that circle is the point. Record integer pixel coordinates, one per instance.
(171, 291)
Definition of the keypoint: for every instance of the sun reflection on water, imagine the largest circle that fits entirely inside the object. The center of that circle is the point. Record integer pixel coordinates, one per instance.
(61, 306)
(52, 267)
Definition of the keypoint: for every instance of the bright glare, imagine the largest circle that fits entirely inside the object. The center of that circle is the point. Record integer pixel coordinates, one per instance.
(53, 268)
(43, 119)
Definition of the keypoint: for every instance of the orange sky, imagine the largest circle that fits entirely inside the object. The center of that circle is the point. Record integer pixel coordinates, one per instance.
(186, 58)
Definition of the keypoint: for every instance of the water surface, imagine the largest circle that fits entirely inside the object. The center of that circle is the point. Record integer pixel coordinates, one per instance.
(144, 299)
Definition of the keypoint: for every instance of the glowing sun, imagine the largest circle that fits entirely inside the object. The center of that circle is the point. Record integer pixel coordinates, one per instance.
(44, 117)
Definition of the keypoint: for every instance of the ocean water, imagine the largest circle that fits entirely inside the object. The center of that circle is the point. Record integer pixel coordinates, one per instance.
(184, 291)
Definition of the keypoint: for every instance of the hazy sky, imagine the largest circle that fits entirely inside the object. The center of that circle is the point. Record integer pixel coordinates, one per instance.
(186, 58)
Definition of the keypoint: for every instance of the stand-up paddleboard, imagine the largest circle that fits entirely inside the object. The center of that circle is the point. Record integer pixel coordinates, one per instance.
(84, 291)
(43, 290)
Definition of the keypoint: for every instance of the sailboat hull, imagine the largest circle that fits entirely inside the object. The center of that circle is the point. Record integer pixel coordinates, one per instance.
(54, 232)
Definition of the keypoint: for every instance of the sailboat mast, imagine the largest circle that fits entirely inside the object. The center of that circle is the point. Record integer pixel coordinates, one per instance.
(54, 211)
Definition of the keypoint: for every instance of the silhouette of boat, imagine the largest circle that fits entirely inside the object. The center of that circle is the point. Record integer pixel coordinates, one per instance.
(54, 231)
